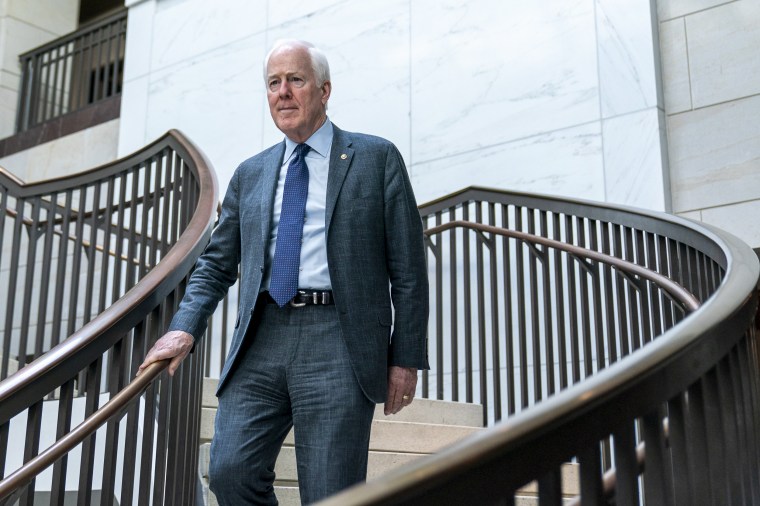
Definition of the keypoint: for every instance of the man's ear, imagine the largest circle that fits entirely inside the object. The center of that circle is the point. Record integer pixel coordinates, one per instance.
(326, 90)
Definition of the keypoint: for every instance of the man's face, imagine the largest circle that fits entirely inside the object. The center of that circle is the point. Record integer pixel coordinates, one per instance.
(296, 102)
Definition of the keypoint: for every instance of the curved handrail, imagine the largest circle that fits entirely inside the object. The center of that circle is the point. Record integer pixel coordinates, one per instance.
(116, 405)
(677, 291)
(532, 443)
(88, 342)
(193, 189)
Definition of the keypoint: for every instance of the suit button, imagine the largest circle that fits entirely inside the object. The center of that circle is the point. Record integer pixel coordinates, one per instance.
(261, 268)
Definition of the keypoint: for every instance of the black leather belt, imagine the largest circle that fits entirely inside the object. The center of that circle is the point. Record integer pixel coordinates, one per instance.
(306, 297)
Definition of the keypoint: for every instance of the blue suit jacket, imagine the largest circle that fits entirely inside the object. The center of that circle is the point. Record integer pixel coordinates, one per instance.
(374, 238)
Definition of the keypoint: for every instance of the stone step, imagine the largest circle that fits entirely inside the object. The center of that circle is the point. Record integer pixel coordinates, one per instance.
(378, 463)
(406, 437)
(422, 428)
(420, 411)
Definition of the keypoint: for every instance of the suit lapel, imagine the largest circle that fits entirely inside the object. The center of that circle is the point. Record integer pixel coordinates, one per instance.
(270, 174)
(341, 155)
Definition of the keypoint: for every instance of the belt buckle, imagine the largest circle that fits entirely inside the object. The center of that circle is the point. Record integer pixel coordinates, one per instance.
(297, 304)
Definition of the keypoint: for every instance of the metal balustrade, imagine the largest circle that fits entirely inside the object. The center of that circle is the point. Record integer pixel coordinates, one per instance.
(93, 266)
(72, 72)
(562, 318)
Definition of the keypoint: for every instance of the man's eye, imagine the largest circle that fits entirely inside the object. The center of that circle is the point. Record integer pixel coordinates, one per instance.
(296, 81)
(274, 84)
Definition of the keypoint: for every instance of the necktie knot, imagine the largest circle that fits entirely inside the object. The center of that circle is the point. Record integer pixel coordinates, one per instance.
(302, 150)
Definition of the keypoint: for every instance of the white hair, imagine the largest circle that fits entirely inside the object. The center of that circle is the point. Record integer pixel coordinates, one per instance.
(318, 59)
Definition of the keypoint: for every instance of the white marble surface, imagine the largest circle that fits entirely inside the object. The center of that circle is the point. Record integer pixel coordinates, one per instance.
(692, 215)
(633, 161)
(566, 162)
(19, 37)
(715, 155)
(57, 17)
(133, 115)
(488, 72)
(139, 41)
(66, 155)
(724, 52)
(742, 220)
(668, 9)
(217, 99)
(8, 104)
(188, 28)
(675, 66)
(626, 56)
(447, 82)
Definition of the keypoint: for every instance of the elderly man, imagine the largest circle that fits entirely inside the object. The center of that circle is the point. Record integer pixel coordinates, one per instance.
(322, 224)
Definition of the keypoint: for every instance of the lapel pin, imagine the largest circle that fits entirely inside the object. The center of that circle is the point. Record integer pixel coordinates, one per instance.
(343, 156)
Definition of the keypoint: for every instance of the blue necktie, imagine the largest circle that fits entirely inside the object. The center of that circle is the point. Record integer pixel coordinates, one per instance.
(287, 253)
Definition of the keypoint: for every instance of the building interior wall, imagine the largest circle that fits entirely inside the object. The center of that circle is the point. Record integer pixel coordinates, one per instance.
(556, 97)
(711, 73)
(25, 25)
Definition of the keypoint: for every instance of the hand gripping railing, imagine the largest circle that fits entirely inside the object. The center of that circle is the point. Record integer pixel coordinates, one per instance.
(584, 358)
(106, 256)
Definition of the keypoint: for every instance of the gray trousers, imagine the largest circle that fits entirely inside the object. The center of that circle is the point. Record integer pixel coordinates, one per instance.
(294, 373)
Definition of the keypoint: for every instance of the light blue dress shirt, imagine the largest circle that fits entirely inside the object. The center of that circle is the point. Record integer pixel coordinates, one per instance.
(313, 271)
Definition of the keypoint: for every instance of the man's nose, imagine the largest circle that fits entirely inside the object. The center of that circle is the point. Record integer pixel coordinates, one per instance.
(284, 89)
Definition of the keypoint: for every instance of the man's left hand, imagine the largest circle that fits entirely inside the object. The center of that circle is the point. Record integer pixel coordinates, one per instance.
(402, 382)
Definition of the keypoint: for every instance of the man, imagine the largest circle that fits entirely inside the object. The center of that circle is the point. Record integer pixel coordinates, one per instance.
(320, 224)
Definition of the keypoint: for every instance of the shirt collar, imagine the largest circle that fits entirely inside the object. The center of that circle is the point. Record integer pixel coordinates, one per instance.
(319, 142)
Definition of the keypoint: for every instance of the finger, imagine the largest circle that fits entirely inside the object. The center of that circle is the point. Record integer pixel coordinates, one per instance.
(388, 408)
(174, 364)
(398, 402)
(391, 405)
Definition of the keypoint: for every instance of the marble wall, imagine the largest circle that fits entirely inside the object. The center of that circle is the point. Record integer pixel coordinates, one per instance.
(69, 154)
(25, 25)
(558, 96)
(711, 63)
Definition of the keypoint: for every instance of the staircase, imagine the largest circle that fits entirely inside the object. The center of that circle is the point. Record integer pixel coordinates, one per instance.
(418, 430)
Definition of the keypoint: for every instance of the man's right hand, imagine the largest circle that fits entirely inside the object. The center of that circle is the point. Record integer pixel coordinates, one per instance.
(174, 345)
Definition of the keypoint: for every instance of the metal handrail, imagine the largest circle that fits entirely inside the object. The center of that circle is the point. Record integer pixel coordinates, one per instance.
(686, 298)
(141, 307)
(11, 487)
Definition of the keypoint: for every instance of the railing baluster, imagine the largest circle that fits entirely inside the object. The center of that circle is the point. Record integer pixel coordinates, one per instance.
(31, 447)
(522, 312)
(590, 461)
(466, 285)
(546, 308)
(438, 259)
(716, 454)
(509, 346)
(535, 330)
(627, 486)
(572, 302)
(493, 309)
(29, 270)
(4, 434)
(585, 307)
(87, 466)
(560, 289)
(63, 426)
(453, 310)
(677, 438)
(602, 353)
